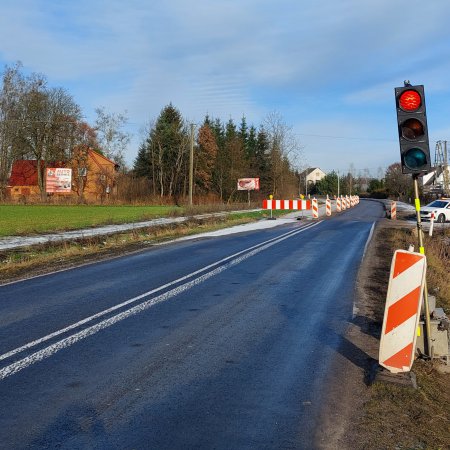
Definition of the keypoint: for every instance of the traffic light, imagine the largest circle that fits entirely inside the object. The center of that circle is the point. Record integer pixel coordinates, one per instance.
(413, 129)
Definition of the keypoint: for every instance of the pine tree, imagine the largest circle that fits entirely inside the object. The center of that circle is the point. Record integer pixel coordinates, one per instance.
(206, 155)
(261, 160)
(251, 150)
(168, 144)
(142, 163)
(243, 134)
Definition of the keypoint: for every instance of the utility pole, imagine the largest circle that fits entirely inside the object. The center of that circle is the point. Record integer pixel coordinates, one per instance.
(191, 166)
(338, 183)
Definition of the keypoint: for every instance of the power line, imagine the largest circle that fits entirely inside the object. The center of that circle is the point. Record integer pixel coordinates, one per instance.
(354, 138)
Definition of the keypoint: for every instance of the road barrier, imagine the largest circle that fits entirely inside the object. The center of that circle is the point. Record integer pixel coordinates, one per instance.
(301, 205)
(401, 315)
(315, 209)
(393, 210)
(347, 199)
(338, 204)
(344, 203)
(430, 232)
(328, 206)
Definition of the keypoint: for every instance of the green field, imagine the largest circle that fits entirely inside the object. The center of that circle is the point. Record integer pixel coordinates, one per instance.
(29, 219)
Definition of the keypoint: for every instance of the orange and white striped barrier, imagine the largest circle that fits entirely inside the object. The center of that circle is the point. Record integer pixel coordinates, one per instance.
(315, 209)
(287, 204)
(338, 204)
(401, 315)
(344, 203)
(347, 199)
(393, 210)
(328, 206)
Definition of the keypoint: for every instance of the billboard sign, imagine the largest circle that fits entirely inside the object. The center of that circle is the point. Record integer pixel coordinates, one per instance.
(248, 184)
(58, 180)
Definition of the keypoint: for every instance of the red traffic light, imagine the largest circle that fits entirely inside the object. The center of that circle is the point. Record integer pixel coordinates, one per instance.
(410, 100)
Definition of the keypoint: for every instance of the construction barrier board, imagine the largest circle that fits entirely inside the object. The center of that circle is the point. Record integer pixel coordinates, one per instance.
(301, 205)
(402, 311)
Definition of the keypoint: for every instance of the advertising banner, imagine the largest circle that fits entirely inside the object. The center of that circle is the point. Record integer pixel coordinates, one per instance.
(248, 184)
(58, 180)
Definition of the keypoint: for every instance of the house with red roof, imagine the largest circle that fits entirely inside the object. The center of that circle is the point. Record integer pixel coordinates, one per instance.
(93, 177)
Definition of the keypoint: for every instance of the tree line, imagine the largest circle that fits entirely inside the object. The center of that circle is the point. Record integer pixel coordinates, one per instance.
(223, 153)
(45, 124)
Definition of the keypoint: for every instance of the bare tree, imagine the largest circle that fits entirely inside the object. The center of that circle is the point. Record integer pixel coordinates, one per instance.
(113, 140)
(396, 182)
(13, 85)
(284, 148)
(48, 121)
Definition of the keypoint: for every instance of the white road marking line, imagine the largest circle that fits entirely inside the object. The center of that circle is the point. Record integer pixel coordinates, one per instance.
(369, 238)
(70, 340)
(132, 300)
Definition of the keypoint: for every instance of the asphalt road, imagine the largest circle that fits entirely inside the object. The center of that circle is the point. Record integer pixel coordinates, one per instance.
(221, 343)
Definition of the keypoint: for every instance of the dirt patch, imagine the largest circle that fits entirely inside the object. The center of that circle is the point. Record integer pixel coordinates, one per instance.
(360, 415)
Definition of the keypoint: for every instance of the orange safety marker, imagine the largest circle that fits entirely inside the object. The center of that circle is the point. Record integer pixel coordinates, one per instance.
(315, 209)
(393, 210)
(344, 203)
(348, 201)
(338, 204)
(328, 206)
(401, 315)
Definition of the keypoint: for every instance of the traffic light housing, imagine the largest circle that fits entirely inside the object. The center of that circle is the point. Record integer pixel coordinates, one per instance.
(413, 129)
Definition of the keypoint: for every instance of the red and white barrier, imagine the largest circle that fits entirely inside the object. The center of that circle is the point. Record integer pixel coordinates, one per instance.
(393, 210)
(315, 209)
(287, 204)
(347, 199)
(401, 315)
(338, 204)
(344, 203)
(328, 206)
(430, 232)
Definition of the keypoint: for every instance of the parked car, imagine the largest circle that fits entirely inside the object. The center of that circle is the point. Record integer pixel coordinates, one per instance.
(440, 208)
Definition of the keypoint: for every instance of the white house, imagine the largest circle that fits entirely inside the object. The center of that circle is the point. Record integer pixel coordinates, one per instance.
(313, 175)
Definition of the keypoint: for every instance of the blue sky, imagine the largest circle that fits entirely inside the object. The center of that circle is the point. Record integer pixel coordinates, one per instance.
(329, 67)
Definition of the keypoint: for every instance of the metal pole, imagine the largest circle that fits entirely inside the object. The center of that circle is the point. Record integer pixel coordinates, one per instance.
(422, 251)
(191, 166)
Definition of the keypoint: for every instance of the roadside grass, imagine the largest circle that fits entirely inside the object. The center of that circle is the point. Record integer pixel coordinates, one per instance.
(437, 251)
(28, 261)
(18, 220)
(397, 417)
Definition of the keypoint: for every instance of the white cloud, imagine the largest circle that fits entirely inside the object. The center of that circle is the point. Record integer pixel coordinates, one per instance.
(230, 58)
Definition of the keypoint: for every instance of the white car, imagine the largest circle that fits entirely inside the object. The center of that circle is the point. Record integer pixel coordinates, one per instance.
(440, 208)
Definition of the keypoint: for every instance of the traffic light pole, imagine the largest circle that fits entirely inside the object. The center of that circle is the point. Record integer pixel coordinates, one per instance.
(422, 251)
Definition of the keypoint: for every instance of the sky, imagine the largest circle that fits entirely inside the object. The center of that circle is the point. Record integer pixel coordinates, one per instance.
(327, 67)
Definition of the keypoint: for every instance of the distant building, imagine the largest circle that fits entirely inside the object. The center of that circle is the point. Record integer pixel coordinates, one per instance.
(313, 175)
(93, 177)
